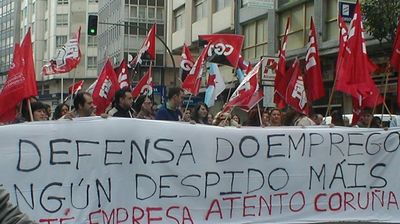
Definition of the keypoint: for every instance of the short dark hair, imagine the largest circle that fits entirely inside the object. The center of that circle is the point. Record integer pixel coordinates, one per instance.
(174, 91)
(35, 106)
(80, 99)
(120, 93)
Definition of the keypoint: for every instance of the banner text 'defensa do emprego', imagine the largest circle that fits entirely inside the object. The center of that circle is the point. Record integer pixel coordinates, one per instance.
(138, 171)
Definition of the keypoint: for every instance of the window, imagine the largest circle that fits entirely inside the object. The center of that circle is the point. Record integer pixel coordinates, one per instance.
(151, 12)
(92, 41)
(255, 41)
(178, 19)
(200, 10)
(93, 1)
(62, 19)
(133, 12)
(61, 40)
(142, 12)
(160, 12)
(62, 2)
(221, 4)
(91, 62)
(160, 30)
(299, 24)
(332, 30)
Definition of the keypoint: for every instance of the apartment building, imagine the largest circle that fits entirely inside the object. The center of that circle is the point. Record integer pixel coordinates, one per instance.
(9, 34)
(123, 26)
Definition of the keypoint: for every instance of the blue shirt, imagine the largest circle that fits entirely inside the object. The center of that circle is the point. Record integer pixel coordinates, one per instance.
(166, 114)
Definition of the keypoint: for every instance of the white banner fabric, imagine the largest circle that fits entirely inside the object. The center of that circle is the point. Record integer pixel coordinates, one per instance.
(139, 171)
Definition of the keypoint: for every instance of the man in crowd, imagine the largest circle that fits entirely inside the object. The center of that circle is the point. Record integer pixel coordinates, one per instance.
(122, 104)
(170, 111)
(84, 107)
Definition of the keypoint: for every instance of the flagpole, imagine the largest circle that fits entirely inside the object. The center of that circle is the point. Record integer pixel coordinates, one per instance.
(259, 114)
(30, 109)
(62, 89)
(73, 91)
(385, 91)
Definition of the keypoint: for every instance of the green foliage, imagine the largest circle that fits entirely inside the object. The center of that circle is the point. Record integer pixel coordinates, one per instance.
(381, 18)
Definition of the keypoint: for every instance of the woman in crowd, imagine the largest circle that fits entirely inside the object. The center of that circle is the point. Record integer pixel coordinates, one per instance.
(294, 118)
(224, 119)
(187, 115)
(60, 111)
(275, 117)
(200, 114)
(39, 112)
(253, 118)
(236, 118)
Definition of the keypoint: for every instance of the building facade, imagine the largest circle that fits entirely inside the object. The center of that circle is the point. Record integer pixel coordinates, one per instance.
(52, 23)
(123, 26)
(9, 34)
(263, 25)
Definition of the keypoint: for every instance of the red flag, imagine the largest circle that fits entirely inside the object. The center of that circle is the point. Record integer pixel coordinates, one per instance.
(123, 75)
(296, 95)
(280, 73)
(223, 48)
(13, 89)
(313, 77)
(244, 65)
(395, 59)
(342, 41)
(67, 57)
(247, 94)
(357, 108)
(193, 79)
(148, 48)
(74, 88)
(354, 76)
(144, 87)
(106, 86)
(187, 62)
(29, 68)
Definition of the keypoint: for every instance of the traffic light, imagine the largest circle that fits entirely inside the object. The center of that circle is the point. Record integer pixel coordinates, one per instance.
(92, 25)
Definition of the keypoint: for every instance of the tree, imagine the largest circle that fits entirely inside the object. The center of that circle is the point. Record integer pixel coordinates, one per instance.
(380, 18)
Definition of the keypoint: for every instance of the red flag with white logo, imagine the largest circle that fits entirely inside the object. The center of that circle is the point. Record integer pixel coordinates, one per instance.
(247, 94)
(76, 87)
(223, 48)
(193, 79)
(106, 86)
(66, 58)
(147, 50)
(395, 59)
(187, 62)
(296, 95)
(313, 77)
(354, 73)
(280, 73)
(123, 75)
(13, 89)
(144, 87)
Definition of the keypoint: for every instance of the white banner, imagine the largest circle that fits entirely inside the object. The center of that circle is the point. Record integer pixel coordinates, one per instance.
(138, 171)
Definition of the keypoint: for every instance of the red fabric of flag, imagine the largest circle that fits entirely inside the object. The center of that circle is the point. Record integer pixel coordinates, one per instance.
(106, 86)
(395, 59)
(187, 62)
(29, 68)
(67, 57)
(280, 73)
(13, 90)
(74, 88)
(193, 79)
(148, 48)
(296, 95)
(247, 94)
(123, 75)
(313, 76)
(144, 87)
(354, 73)
(223, 48)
